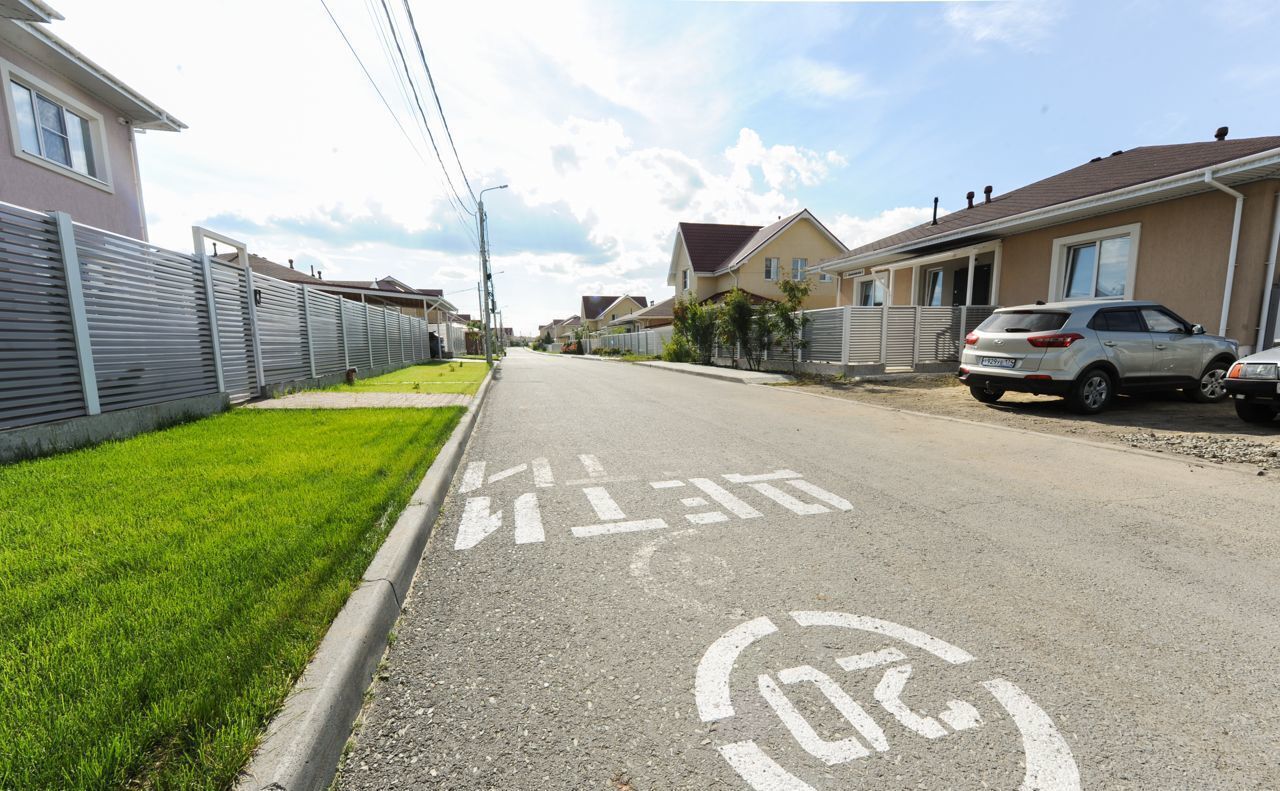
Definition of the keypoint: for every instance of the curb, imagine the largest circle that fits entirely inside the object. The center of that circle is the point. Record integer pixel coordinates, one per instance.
(305, 739)
(711, 372)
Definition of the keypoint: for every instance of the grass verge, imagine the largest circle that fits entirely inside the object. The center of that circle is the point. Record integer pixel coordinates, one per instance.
(434, 377)
(158, 596)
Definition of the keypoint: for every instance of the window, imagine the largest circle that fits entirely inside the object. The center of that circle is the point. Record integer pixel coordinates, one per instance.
(1098, 269)
(824, 277)
(798, 267)
(870, 293)
(1118, 321)
(50, 131)
(685, 280)
(933, 287)
(1024, 321)
(770, 269)
(1159, 321)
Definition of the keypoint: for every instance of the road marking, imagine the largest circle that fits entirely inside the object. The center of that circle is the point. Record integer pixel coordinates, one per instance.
(477, 523)
(592, 465)
(768, 476)
(822, 494)
(885, 656)
(889, 695)
(759, 770)
(711, 682)
(507, 473)
(840, 751)
(708, 518)
(847, 706)
(528, 520)
(666, 484)
(587, 531)
(732, 504)
(542, 476)
(643, 558)
(913, 637)
(473, 478)
(605, 507)
(693, 502)
(1050, 765)
(788, 502)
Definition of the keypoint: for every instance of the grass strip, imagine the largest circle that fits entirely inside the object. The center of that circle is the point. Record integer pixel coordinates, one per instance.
(434, 377)
(159, 596)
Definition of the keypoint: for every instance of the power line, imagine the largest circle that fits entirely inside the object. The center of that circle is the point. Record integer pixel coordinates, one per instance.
(431, 81)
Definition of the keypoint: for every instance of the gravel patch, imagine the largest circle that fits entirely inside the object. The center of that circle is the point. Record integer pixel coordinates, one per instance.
(1236, 450)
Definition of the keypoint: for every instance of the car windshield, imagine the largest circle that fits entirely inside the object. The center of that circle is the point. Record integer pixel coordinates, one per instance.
(1024, 321)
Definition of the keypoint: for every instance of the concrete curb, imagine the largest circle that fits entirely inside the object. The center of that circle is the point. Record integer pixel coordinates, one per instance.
(304, 741)
(765, 378)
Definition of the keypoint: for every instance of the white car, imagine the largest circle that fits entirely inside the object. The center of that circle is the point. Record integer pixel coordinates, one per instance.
(1254, 384)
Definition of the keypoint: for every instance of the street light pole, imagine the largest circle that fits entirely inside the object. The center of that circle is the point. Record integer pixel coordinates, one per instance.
(486, 279)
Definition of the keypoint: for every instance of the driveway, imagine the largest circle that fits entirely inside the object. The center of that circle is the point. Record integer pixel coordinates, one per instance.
(647, 580)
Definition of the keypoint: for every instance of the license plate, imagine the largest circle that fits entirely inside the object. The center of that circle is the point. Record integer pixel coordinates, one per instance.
(998, 362)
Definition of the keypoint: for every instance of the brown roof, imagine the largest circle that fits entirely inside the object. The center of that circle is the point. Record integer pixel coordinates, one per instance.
(755, 299)
(1122, 169)
(592, 307)
(709, 245)
(262, 266)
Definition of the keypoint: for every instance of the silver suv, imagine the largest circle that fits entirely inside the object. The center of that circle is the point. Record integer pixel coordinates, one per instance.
(1089, 351)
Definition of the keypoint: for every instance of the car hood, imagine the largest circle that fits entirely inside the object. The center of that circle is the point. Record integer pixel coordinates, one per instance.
(1271, 355)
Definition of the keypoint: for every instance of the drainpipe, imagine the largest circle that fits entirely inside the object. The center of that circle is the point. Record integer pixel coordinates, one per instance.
(1264, 341)
(1235, 247)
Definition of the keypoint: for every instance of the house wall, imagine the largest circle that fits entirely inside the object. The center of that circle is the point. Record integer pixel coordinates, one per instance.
(801, 240)
(623, 308)
(1182, 256)
(118, 208)
(699, 287)
(901, 286)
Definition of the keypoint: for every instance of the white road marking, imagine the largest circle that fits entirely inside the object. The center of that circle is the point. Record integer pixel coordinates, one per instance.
(889, 695)
(939, 648)
(708, 518)
(768, 476)
(840, 751)
(885, 656)
(592, 465)
(477, 523)
(822, 494)
(1050, 766)
(605, 507)
(507, 473)
(732, 503)
(788, 502)
(711, 682)
(643, 558)
(542, 473)
(759, 770)
(528, 520)
(961, 716)
(587, 531)
(666, 484)
(473, 478)
(693, 502)
(847, 706)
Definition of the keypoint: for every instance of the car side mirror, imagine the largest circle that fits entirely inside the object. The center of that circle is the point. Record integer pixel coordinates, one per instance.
(1197, 329)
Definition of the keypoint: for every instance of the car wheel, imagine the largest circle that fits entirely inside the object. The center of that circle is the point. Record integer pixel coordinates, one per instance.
(986, 396)
(1252, 412)
(1092, 392)
(1210, 389)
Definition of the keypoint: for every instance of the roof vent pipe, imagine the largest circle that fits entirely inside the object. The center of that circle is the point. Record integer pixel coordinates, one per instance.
(291, 263)
(935, 210)
(313, 270)
(986, 194)
(969, 197)
(1221, 134)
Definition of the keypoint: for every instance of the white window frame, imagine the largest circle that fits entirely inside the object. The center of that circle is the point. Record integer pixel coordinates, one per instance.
(97, 127)
(771, 265)
(685, 279)
(1061, 250)
(804, 269)
(942, 286)
(824, 277)
(881, 278)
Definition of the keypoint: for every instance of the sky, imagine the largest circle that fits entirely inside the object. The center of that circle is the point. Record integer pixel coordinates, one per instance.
(614, 121)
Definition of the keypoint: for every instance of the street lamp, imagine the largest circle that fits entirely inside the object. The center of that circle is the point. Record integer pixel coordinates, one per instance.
(486, 279)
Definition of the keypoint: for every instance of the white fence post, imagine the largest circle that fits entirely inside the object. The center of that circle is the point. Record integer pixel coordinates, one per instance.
(306, 326)
(79, 319)
(846, 327)
(368, 332)
(386, 333)
(884, 334)
(342, 328)
(915, 340)
(259, 371)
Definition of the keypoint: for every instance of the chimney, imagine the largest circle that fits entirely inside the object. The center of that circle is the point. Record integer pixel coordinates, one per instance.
(935, 210)
(986, 193)
(1221, 134)
(313, 270)
(969, 197)
(291, 263)
(319, 275)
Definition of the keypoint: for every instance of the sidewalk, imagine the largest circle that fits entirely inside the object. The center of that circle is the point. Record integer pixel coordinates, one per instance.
(726, 374)
(324, 400)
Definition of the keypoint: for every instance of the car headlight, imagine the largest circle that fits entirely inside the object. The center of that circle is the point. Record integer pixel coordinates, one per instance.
(1256, 371)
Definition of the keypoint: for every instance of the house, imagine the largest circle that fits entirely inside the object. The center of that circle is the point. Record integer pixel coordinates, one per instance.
(1194, 226)
(598, 311)
(710, 260)
(657, 315)
(68, 137)
(564, 330)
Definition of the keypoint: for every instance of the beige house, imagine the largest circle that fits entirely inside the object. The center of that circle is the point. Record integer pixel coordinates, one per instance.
(1194, 226)
(710, 260)
(598, 311)
(564, 330)
(657, 315)
(68, 127)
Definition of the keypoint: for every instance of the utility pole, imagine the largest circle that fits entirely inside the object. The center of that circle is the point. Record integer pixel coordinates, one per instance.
(487, 303)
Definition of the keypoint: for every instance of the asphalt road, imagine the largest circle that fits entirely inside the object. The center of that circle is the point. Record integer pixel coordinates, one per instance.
(823, 595)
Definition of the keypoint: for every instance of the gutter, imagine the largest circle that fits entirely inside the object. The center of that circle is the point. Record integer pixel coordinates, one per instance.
(1233, 254)
(1267, 282)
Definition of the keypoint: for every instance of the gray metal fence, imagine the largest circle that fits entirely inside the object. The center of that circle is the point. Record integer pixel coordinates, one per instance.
(93, 322)
(647, 342)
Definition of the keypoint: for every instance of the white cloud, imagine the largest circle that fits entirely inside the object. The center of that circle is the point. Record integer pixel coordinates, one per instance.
(1019, 23)
(782, 166)
(857, 231)
(823, 81)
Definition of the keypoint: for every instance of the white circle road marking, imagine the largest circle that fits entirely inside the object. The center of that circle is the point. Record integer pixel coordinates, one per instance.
(1049, 764)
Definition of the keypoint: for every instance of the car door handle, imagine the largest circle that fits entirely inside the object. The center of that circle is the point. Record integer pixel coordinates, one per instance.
(1160, 346)
(1108, 343)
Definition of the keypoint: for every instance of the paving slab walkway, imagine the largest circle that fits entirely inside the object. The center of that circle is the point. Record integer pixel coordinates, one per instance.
(330, 400)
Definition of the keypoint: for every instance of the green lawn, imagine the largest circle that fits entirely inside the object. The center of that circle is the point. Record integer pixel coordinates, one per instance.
(441, 376)
(159, 595)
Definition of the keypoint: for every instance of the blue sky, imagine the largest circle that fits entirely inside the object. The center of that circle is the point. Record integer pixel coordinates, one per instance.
(612, 121)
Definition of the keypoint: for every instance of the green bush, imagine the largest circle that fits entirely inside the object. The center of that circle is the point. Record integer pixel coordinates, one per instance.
(678, 350)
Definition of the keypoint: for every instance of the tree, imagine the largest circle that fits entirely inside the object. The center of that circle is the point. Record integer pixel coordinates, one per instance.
(789, 316)
(697, 321)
